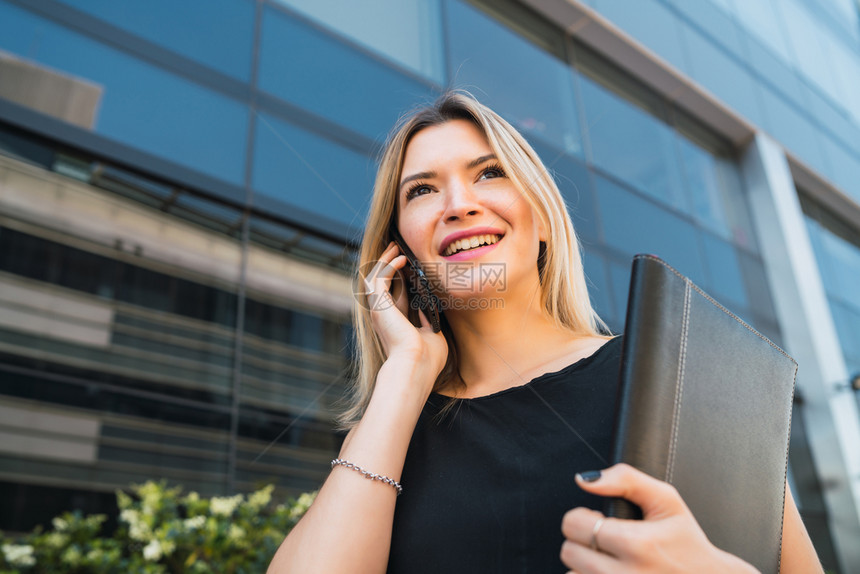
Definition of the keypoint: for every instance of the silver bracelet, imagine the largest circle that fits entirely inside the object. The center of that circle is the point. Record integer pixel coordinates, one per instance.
(366, 474)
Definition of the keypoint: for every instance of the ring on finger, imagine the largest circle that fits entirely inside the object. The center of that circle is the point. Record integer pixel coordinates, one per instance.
(597, 526)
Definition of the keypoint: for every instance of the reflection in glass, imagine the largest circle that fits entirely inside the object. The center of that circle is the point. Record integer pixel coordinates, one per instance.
(619, 275)
(651, 23)
(837, 250)
(757, 286)
(842, 275)
(718, 22)
(632, 145)
(303, 170)
(716, 193)
(847, 319)
(775, 70)
(217, 33)
(407, 32)
(141, 105)
(532, 89)
(722, 75)
(635, 225)
(793, 130)
(805, 33)
(574, 182)
(845, 167)
(761, 19)
(309, 68)
(726, 281)
(598, 288)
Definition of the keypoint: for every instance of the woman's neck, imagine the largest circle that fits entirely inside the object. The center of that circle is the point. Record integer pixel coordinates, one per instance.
(508, 346)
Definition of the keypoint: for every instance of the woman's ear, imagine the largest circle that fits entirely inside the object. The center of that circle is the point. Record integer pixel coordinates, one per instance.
(541, 232)
(541, 262)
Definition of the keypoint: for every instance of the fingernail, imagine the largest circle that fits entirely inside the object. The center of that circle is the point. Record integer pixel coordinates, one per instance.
(589, 475)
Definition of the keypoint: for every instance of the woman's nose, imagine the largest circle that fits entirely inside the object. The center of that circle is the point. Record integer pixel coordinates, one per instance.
(461, 201)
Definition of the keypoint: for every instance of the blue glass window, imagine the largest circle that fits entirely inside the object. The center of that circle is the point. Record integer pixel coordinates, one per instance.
(701, 181)
(716, 193)
(598, 288)
(574, 182)
(844, 63)
(315, 71)
(409, 33)
(842, 268)
(632, 145)
(845, 166)
(757, 287)
(715, 21)
(529, 87)
(651, 23)
(839, 264)
(217, 33)
(722, 75)
(775, 70)
(847, 319)
(806, 35)
(619, 274)
(831, 116)
(726, 279)
(141, 105)
(794, 130)
(725, 5)
(635, 225)
(761, 19)
(301, 170)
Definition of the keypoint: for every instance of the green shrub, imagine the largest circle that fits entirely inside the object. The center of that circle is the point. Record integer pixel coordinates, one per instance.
(161, 531)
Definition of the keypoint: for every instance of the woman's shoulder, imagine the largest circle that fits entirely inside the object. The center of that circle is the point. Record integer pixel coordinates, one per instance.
(589, 349)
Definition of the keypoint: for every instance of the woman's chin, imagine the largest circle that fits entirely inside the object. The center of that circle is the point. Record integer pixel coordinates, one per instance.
(471, 300)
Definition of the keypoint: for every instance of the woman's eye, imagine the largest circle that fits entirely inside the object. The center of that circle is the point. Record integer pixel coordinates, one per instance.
(416, 190)
(492, 172)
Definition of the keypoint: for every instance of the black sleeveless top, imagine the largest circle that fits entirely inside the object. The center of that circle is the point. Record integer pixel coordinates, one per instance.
(486, 485)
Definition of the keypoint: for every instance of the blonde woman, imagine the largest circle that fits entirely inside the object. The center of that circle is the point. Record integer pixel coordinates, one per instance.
(487, 422)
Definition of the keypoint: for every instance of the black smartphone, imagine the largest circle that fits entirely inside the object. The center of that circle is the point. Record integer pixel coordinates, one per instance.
(418, 286)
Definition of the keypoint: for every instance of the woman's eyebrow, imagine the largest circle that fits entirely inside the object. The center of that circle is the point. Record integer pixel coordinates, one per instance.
(420, 175)
(478, 161)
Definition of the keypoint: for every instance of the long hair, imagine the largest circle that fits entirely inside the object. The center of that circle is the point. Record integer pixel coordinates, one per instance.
(564, 294)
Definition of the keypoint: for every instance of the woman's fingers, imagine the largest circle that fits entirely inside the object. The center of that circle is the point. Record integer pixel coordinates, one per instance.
(656, 498)
(584, 560)
(667, 541)
(588, 527)
(388, 301)
(378, 282)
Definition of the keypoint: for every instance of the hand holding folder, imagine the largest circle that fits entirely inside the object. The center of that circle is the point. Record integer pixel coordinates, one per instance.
(705, 405)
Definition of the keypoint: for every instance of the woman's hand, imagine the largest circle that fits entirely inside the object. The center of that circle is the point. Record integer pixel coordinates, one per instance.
(388, 302)
(667, 540)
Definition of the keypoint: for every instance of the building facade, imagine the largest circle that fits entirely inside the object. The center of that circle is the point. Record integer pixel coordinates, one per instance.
(183, 186)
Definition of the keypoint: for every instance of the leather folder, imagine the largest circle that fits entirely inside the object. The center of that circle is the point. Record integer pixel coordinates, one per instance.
(705, 404)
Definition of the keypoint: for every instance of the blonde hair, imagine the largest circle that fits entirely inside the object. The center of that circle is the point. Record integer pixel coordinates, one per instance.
(564, 294)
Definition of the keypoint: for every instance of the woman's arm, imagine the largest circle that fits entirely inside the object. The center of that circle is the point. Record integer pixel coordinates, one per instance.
(668, 539)
(348, 527)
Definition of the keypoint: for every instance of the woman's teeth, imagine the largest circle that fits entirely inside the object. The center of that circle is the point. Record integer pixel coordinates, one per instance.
(470, 243)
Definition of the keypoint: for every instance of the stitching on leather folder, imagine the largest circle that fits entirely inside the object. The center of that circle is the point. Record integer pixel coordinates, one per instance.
(716, 304)
(785, 474)
(679, 384)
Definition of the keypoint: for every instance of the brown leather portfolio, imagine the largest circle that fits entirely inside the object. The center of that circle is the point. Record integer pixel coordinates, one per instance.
(705, 404)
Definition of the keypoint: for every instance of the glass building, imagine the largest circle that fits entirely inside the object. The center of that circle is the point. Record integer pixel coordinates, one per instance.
(183, 187)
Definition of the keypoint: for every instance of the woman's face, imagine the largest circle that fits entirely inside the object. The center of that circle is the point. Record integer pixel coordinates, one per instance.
(461, 215)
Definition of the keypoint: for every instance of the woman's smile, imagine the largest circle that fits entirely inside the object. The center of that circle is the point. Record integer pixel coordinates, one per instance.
(464, 245)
